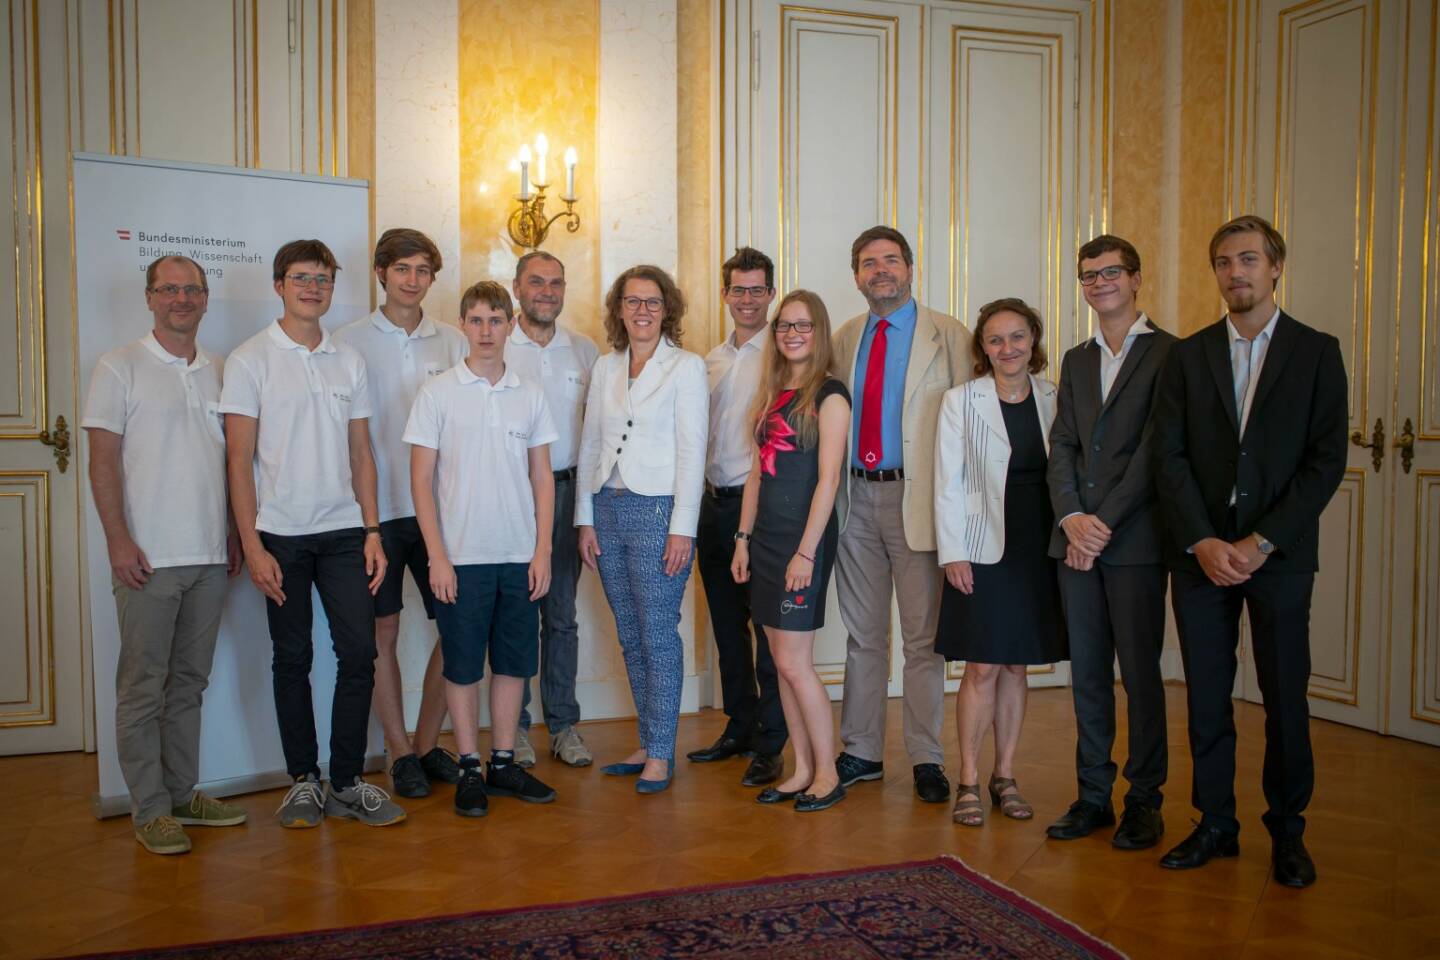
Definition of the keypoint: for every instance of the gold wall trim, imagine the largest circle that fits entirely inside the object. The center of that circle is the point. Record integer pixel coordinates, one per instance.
(1429, 285)
(1346, 689)
(36, 483)
(1420, 625)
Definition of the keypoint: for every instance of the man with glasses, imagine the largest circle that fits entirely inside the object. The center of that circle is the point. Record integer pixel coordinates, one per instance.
(558, 359)
(1109, 535)
(403, 347)
(303, 493)
(897, 360)
(756, 722)
(157, 473)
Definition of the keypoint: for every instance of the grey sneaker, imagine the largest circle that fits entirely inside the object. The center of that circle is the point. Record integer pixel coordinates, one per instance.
(567, 747)
(304, 805)
(364, 802)
(163, 835)
(524, 752)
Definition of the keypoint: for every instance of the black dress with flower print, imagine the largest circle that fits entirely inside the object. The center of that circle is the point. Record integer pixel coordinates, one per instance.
(789, 474)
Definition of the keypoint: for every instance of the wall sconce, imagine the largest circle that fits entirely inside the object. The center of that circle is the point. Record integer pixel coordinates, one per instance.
(528, 225)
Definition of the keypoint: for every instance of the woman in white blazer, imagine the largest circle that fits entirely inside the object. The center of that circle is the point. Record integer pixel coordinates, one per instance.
(1001, 605)
(637, 498)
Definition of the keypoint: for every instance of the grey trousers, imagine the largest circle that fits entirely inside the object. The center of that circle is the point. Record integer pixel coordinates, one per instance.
(559, 635)
(874, 561)
(167, 642)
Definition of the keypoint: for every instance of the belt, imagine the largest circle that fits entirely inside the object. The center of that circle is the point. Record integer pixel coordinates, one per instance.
(567, 474)
(724, 493)
(879, 476)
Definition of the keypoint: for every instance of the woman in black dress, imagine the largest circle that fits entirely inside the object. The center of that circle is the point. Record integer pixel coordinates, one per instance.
(785, 546)
(1000, 610)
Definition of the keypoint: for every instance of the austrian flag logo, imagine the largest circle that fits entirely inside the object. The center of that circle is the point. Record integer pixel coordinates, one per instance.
(122, 234)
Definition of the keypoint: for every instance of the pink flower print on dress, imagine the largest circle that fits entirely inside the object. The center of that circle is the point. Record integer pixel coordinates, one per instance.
(778, 433)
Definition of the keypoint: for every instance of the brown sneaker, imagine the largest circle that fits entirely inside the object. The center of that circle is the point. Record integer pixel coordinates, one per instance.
(203, 811)
(163, 835)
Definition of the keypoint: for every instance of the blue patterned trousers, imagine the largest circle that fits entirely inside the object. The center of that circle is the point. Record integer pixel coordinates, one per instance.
(631, 531)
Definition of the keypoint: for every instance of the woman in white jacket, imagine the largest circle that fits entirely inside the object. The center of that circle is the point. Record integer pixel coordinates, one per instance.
(1001, 606)
(637, 498)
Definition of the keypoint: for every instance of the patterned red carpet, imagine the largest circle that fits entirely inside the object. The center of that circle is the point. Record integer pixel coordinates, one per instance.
(929, 909)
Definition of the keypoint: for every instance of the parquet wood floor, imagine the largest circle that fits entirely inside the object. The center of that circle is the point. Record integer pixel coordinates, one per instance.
(69, 883)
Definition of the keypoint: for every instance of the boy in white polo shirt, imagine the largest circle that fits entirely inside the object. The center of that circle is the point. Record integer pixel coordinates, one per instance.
(296, 408)
(484, 497)
(157, 471)
(403, 347)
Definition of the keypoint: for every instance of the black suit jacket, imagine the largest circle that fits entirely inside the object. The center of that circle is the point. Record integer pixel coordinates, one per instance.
(1100, 458)
(1289, 462)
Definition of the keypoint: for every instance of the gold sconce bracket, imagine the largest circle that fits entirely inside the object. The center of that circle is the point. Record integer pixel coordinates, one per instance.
(528, 225)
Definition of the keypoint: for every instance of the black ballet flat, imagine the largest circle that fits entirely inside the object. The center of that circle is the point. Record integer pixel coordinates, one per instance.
(771, 795)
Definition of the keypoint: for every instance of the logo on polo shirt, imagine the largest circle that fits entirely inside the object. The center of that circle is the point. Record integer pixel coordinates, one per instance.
(787, 605)
(340, 395)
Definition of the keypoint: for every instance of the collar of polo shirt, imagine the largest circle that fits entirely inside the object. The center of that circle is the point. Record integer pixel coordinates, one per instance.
(281, 339)
(425, 328)
(462, 372)
(561, 338)
(165, 356)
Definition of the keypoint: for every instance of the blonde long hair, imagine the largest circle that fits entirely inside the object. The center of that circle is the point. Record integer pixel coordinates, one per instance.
(805, 416)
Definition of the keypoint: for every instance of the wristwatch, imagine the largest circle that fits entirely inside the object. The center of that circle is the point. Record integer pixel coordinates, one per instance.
(741, 536)
(370, 530)
(1266, 547)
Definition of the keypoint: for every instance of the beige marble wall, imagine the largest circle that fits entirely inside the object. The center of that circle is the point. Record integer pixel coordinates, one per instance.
(1202, 159)
(698, 267)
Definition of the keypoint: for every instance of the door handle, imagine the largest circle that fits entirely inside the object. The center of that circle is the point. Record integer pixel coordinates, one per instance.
(59, 441)
(1406, 444)
(1376, 446)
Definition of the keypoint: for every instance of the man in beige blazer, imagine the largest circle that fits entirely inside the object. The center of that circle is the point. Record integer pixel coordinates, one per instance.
(898, 360)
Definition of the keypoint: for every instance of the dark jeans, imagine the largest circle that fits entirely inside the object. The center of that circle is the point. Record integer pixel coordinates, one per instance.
(754, 716)
(1110, 612)
(559, 635)
(334, 564)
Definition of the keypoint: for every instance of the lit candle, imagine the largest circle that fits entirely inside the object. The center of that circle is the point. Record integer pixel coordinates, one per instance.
(525, 171)
(570, 160)
(542, 147)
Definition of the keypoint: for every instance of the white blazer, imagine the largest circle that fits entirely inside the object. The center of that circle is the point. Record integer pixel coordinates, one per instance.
(972, 457)
(655, 431)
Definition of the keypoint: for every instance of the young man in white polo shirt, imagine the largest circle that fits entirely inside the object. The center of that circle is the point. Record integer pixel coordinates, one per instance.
(403, 347)
(297, 411)
(157, 472)
(559, 360)
(485, 500)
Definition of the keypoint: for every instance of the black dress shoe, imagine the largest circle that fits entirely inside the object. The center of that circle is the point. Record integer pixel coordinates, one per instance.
(765, 768)
(1081, 820)
(1293, 866)
(1140, 828)
(931, 784)
(852, 769)
(809, 803)
(771, 795)
(722, 749)
(1196, 850)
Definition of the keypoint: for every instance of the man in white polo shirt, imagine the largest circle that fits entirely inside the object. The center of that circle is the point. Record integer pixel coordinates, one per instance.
(403, 347)
(157, 472)
(297, 411)
(559, 361)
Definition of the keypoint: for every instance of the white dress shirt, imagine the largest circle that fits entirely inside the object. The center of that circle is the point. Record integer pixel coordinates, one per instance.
(1247, 358)
(734, 375)
(397, 365)
(561, 368)
(1110, 363)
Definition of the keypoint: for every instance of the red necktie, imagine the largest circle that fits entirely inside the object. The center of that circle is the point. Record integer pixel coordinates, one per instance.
(872, 447)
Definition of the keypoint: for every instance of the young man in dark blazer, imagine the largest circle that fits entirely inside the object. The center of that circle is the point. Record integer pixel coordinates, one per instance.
(1112, 581)
(1249, 447)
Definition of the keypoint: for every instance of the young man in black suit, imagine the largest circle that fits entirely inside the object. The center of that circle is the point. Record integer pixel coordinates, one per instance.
(1112, 582)
(1249, 448)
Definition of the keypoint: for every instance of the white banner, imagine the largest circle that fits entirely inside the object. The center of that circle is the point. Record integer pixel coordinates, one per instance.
(231, 221)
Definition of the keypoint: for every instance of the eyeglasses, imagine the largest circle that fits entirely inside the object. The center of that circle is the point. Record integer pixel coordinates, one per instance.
(321, 280)
(637, 304)
(1088, 278)
(755, 292)
(799, 326)
(171, 290)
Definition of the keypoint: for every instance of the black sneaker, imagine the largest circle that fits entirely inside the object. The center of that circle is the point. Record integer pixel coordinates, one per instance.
(440, 766)
(470, 799)
(409, 778)
(852, 769)
(930, 783)
(513, 780)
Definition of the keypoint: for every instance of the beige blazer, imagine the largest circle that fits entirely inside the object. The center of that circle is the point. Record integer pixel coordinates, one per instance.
(939, 360)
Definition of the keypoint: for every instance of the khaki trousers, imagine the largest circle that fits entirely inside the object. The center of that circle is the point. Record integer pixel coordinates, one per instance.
(167, 642)
(874, 563)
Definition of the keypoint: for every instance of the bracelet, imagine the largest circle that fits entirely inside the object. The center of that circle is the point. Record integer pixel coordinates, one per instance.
(803, 557)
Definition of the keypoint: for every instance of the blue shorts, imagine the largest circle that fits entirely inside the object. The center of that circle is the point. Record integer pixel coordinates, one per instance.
(492, 611)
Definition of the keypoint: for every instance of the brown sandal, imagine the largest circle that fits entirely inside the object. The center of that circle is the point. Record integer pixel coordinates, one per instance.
(968, 813)
(1012, 805)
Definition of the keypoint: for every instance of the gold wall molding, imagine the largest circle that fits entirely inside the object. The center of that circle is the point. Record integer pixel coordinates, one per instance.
(28, 491)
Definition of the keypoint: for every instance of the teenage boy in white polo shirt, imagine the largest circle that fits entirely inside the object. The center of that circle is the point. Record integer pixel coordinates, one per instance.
(485, 499)
(559, 360)
(157, 471)
(297, 409)
(403, 347)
